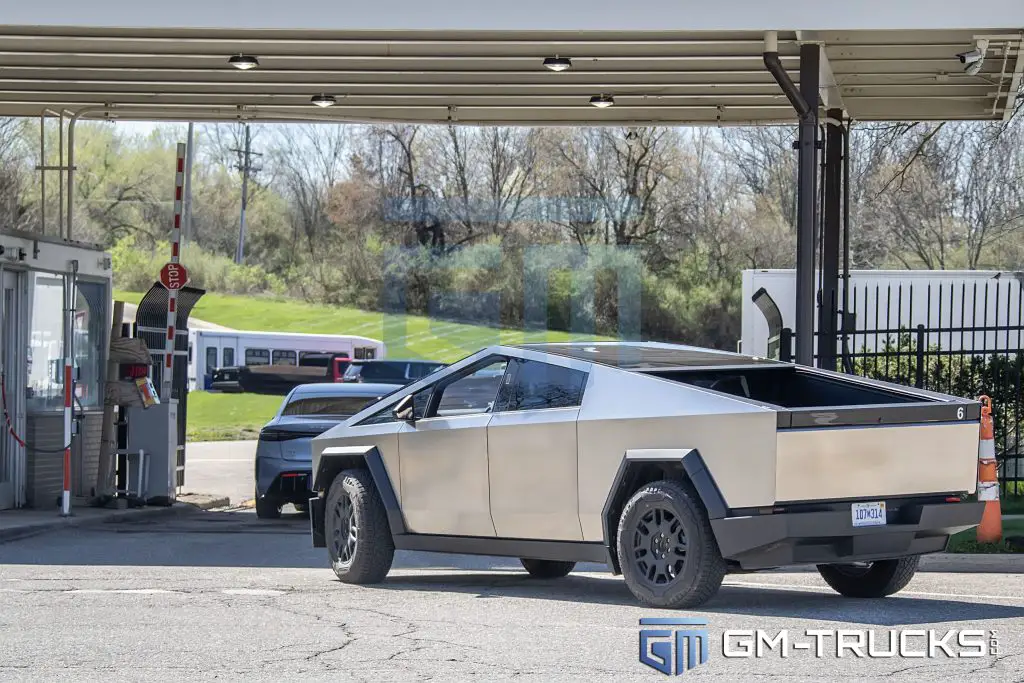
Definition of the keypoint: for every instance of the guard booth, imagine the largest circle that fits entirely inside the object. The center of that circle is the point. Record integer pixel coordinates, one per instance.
(44, 285)
(151, 326)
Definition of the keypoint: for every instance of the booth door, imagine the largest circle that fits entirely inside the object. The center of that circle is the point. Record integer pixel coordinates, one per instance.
(13, 361)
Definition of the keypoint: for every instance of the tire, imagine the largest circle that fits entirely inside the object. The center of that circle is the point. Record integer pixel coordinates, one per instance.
(547, 569)
(363, 552)
(872, 580)
(666, 548)
(267, 508)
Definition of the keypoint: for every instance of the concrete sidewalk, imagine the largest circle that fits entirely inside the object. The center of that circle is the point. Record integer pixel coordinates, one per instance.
(17, 524)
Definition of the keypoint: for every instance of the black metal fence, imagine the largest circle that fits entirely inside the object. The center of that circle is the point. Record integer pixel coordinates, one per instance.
(961, 339)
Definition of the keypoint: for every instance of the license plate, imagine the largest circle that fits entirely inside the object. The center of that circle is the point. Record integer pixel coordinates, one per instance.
(868, 514)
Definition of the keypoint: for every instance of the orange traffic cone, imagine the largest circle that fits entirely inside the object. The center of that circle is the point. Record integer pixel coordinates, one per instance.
(991, 528)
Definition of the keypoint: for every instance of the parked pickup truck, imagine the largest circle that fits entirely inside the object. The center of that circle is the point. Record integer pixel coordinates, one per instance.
(282, 378)
(671, 464)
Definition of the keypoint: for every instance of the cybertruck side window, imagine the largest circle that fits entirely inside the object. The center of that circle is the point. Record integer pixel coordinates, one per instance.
(473, 393)
(541, 385)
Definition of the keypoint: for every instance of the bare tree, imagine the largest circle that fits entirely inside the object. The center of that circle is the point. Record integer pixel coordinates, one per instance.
(992, 200)
(765, 159)
(15, 210)
(394, 162)
(622, 169)
(309, 160)
(484, 177)
(946, 194)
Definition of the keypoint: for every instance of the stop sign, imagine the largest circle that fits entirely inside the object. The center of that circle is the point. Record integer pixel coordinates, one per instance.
(173, 276)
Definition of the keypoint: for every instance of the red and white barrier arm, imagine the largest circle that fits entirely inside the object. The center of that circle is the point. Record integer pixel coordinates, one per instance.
(167, 376)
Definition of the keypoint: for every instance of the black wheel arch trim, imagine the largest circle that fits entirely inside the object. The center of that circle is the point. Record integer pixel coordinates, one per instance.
(334, 459)
(619, 491)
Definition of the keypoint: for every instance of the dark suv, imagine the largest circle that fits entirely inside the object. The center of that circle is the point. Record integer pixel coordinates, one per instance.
(390, 371)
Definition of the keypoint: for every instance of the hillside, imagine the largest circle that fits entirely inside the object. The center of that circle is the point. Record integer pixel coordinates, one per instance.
(407, 336)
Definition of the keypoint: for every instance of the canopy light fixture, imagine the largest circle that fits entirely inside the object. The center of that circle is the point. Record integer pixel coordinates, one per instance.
(244, 62)
(323, 100)
(557, 63)
(602, 101)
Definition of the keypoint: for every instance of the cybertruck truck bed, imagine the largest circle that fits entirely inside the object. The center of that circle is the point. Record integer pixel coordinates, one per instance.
(845, 437)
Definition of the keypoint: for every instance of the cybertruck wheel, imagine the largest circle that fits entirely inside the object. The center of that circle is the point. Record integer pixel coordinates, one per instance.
(870, 579)
(547, 569)
(666, 548)
(267, 508)
(359, 539)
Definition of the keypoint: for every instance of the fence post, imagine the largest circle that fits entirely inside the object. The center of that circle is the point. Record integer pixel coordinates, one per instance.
(919, 373)
(786, 345)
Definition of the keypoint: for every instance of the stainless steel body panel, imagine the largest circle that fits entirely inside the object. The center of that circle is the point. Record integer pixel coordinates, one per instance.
(624, 411)
(861, 462)
(533, 474)
(445, 486)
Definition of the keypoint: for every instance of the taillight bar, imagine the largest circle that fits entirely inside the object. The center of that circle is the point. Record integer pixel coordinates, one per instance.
(278, 435)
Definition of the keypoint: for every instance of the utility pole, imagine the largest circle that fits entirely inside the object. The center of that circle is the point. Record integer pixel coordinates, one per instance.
(190, 155)
(245, 166)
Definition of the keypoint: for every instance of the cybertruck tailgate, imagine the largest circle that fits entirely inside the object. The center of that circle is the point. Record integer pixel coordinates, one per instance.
(851, 462)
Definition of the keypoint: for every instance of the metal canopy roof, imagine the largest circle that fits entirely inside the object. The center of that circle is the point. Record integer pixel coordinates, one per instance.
(496, 77)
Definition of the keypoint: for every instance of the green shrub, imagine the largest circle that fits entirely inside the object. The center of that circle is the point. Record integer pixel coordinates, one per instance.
(137, 267)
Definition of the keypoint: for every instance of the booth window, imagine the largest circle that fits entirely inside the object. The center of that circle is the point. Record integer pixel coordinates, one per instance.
(46, 342)
(90, 332)
(45, 389)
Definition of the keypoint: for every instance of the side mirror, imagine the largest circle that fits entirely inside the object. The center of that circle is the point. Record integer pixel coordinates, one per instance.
(404, 410)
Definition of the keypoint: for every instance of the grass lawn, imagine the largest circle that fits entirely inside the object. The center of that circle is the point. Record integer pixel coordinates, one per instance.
(966, 541)
(228, 417)
(406, 336)
(221, 417)
(1013, 505)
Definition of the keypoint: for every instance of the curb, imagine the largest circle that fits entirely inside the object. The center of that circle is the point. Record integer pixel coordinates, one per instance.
(203, 501)
(183, 506)
(973, 563)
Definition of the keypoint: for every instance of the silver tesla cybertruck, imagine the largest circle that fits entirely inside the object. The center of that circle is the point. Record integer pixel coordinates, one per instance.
(671, 464)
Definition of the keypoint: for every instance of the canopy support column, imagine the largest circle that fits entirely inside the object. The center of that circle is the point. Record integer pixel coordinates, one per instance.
(807, 204)
(805, 100)
(828, 310)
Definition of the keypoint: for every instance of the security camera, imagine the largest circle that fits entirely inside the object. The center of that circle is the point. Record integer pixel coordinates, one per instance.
(974, 59)
(970, 57)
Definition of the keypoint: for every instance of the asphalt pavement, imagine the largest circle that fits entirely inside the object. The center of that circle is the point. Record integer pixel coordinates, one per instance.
(222, 595)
